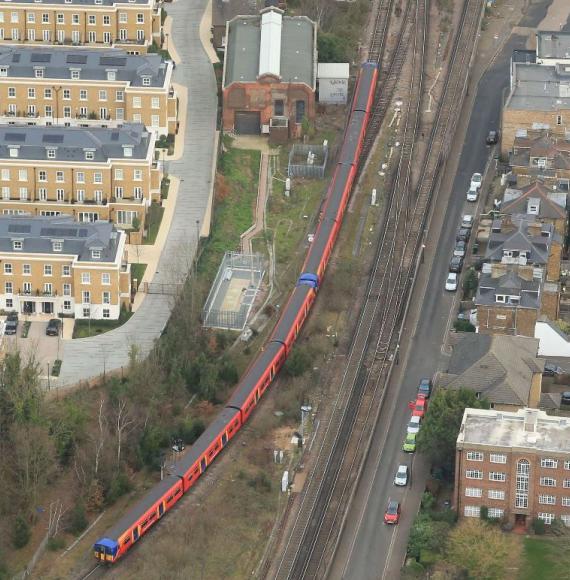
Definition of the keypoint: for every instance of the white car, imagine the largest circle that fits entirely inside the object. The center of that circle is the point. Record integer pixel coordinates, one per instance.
(473, 193)
(414, 424)
(467, 221)
(451, 282)
(476, 180)
(401, 478)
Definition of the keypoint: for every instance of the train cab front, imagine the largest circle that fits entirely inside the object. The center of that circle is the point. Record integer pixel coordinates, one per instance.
(308, 279)
(106, 550)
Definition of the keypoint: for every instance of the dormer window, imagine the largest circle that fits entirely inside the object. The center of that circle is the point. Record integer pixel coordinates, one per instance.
(39, 72)
(50, 152)
(57, 245)
(13, 150)
(89, 155)
(17, 244)
(533, 209)
(75, 73)
(501, 298)
(545, 233)
(111, 75)
(146, 81)
(98, 1)
(68, 1)
(127, 151)
(96, 254)
(3, 71)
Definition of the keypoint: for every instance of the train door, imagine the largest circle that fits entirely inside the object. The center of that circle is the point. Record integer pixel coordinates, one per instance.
(224, 439)
(203, 464)
(135, 534)
(160, 509)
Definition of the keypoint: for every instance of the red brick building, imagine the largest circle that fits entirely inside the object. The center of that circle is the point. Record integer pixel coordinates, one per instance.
(517, 465)
(270, 73)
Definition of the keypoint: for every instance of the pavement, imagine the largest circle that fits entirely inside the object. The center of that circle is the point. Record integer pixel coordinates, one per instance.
(368, 549)
(84, 359)
(260, 205)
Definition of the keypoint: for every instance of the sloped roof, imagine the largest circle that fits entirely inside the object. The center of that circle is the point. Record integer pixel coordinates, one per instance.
(499, 367)
(511, 284)
(552, 203)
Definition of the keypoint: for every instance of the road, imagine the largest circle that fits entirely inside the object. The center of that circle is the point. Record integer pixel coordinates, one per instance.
(368, 549)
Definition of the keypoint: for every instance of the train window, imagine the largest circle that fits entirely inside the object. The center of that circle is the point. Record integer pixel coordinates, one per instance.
(230, 430)
(190, 477)
(126, 541)
(236, 422)
(178, 492)
(169, 499)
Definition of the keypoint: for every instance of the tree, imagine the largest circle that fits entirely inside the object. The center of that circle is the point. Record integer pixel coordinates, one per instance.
(427, 534)
(332, 48)
(21, 532)
(78, 520)
(298, 363)
(482, 550)
(440, 428)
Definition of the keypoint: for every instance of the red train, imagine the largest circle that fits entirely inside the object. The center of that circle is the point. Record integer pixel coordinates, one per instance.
(139, 519)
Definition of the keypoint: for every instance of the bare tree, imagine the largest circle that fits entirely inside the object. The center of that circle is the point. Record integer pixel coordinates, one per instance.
(123, 423)
(56, 512)
(321, 11)
(100, 441)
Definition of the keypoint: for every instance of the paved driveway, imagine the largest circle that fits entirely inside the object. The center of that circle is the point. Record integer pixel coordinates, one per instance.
(90, 357)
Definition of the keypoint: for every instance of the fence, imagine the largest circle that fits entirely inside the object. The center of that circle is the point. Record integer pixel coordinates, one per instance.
(308, 161)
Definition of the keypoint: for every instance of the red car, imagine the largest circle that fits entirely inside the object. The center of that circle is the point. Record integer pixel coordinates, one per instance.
(419, 407)
(392, 515)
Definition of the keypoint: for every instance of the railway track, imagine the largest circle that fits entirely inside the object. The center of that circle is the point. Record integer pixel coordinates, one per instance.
(375, 340)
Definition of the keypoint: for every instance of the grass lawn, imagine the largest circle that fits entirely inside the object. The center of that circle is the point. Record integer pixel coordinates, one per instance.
(153, 221)
(137, 271)
(86, 328)
(546, 557)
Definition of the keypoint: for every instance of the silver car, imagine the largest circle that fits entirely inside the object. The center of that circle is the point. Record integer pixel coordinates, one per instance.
(401, 478)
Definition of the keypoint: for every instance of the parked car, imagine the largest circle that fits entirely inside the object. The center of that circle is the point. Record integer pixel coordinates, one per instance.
(392, 515)
(467, 221)
(424, 388)
(456, 264)
(414, 424)
(463, 235)
(53, 327)
(401, 478)
(459, 249)
(565, 399)
(476, 180)
(409, 443)
(451, 282)
(492, 138)
(472, 193)
(11, 325)
(418, 407)
(551, 370)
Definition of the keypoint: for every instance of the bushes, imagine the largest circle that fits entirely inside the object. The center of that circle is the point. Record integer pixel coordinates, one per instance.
(538, 526)
(298, 363)
(78, 520)
(463, 326)
(21, 532)
(331, 47)
(120, 485)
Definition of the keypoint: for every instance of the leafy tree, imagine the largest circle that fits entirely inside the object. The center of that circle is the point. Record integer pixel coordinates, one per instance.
(331, 47)
(21, 532)
(120, 485)
(427, 534)
(538, 526)
(228, 372)
(78, 519)
(151, 443)
(470, 283)
(298, 363)
(440, 428)
(481, 550)
(463, 326)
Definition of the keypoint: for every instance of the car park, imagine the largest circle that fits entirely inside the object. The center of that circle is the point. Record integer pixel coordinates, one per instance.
(418, 407)
(459, 249)
(11, 324)
(401, 477)
(409, 445)
(467, 221)
(451, 282)
(463, 235)
(476, 180)
(492, 138)
(424, 388)
(53, 327)
(414, 424)
(472, 193)
(456, 264)
(392, 514)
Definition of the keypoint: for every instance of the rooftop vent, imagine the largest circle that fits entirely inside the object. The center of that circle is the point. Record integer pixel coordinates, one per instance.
(530, 420)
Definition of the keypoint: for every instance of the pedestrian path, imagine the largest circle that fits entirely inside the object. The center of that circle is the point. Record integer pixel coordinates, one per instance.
(259, 218)
(84, 359)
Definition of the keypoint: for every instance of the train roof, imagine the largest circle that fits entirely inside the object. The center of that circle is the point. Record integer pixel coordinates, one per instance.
(364, 86)
(204, 441)
(337, 189)
(254, 373)
(290, 311)
(141, 507)
(315, 253)
(352, 137)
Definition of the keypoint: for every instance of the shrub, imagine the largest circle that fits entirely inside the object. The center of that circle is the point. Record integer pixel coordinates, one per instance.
(78, 520)
(463, 326)
(55, 543)
(298, 363)
(120, 485)
(538, 526)
(484, 513)
(21, 532)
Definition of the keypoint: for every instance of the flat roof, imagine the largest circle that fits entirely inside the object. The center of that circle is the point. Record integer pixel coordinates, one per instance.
(58, 63)
(538, 87)
(523, 429)
(552, 44)
(74, 143)
(8, 3)
(333, 70)
(38, 234)
(297, 51)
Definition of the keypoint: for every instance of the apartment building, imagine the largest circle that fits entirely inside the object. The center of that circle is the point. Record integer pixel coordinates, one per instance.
(55, 266)
(128, 24)
(516, 464)
(83, 87)
(90, 174)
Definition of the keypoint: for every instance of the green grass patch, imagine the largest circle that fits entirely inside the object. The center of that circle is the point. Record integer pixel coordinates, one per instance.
(26, 329)
(56, 368)
(87, 328)
(153, 221)
(137, 271)
(545, 557)
(164, 187)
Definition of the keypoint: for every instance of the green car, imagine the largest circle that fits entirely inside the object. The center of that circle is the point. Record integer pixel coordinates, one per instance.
(410, 443)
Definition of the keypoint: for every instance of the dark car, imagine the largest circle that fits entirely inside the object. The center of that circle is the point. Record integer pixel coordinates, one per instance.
(565, 399)
(492, 138)
(551, 370)
(424, 389)
(53, 327)
(456, 264)
(463, 235)
(11, 326)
